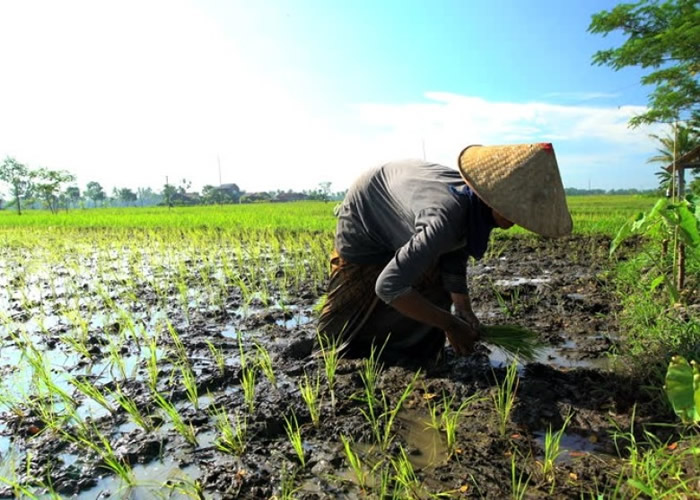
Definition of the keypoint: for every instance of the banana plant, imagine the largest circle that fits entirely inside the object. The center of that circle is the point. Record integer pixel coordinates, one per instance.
(683, 389)
(667, 219)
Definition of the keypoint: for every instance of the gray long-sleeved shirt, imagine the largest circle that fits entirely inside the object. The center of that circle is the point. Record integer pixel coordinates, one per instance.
(413, 215)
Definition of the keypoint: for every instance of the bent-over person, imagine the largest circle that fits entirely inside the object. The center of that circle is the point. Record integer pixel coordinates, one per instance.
(405, 233)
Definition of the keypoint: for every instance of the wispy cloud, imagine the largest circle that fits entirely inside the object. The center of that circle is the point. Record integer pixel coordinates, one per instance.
(580, 96)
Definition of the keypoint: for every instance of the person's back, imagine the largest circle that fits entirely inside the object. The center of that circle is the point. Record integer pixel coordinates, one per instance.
(381, 209)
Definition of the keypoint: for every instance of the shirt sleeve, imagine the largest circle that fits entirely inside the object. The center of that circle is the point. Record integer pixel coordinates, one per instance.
(453, 267)
(433, 237)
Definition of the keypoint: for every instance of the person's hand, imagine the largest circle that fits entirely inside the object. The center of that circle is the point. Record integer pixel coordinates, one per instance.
(469, 317)
(462, 334)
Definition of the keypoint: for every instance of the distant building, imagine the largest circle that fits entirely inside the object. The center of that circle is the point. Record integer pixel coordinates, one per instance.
(228, 192)
(192, 198)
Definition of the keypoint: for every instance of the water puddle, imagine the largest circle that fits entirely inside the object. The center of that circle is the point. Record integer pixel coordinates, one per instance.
(571, 446)
(230, 332)
(152, 480)
(426, 444)
(555, 356)
(297, 320)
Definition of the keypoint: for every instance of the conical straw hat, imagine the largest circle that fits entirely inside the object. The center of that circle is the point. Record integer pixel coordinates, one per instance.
(521, 182)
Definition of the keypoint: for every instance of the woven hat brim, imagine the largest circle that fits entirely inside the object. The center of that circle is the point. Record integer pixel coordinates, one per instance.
(522, 183)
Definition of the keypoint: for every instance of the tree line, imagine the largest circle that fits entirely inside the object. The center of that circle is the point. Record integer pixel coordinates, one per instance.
(56, 189)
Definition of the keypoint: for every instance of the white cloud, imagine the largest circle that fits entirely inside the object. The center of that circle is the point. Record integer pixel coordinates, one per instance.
(581, 96)
(126, 93)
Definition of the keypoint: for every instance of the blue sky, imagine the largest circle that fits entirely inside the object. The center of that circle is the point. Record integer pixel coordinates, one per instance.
(286, 94)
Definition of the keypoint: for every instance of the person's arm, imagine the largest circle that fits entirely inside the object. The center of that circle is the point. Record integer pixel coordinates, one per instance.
(463, 309)
(460, 333)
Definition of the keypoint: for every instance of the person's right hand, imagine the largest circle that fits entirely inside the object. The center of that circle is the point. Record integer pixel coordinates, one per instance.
(462, 335)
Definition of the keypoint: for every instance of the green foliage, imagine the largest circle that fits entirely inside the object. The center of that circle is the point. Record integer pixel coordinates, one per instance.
(95, 192)
(668, 217)
(679, 141)
(18, 177)
(668, 220)
(683, 389)
(662, 36)
(48, 186)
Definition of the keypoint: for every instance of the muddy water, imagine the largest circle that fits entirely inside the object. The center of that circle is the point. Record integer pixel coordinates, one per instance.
(554, 288)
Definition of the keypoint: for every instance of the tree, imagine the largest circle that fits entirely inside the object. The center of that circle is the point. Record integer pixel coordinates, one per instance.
(664, 37)
(126, 195)
(325, 188)
(145, 195)
(686, 139)
(72, 194)
(18, 177)
(184, 186)
(168, 193)
(95, 192)
(48, 186)
(211, 195)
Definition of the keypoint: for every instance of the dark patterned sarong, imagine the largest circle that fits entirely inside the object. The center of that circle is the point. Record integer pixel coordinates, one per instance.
(355, 316)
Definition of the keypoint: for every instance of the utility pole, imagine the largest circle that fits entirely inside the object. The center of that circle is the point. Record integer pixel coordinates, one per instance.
(423, 144)
(167, 193)
(218, 161)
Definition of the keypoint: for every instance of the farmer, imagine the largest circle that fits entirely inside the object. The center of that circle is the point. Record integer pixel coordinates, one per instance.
(405, 232)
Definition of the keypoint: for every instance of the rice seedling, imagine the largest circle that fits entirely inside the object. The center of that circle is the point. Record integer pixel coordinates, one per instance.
(552, 450)
(180, 351)
(77, 344)
(218, 356)
(509, 307)
(18, 490)
(329, 352)
(514, 340)
(355, 462)
(90, 438)
(450, 418)
(504, 399)
(407, 484)
(369, 375)
(291, 427)
(288, 487)
(265, 363)
(385, 427)
(152, 364)
(184, 485)
(310, 392)
(186, 430)
(115, 358)
(519, 483)
(190, 383)
(248, 380)
(232, 436)
(132, 409)
(90, 390)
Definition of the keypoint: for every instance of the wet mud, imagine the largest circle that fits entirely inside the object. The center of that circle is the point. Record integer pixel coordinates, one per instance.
(556, 288)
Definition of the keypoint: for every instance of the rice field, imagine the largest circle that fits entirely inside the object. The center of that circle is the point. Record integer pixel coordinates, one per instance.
(154, 352)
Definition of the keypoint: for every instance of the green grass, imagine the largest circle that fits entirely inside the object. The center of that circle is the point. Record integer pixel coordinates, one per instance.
(591, 214)
(300, 216)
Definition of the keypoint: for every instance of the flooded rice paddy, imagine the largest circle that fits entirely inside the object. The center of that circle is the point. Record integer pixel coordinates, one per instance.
(184, 368)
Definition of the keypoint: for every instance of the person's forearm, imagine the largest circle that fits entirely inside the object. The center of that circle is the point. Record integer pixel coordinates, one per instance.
(462, 302)
(417, 307)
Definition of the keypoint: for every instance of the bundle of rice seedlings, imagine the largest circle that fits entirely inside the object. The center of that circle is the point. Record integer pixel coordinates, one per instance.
(514, 340)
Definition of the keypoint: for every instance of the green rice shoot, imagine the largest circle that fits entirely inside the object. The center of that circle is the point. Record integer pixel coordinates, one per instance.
(514, 341)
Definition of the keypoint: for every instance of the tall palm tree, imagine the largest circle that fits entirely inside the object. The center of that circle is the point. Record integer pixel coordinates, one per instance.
(687, 139)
